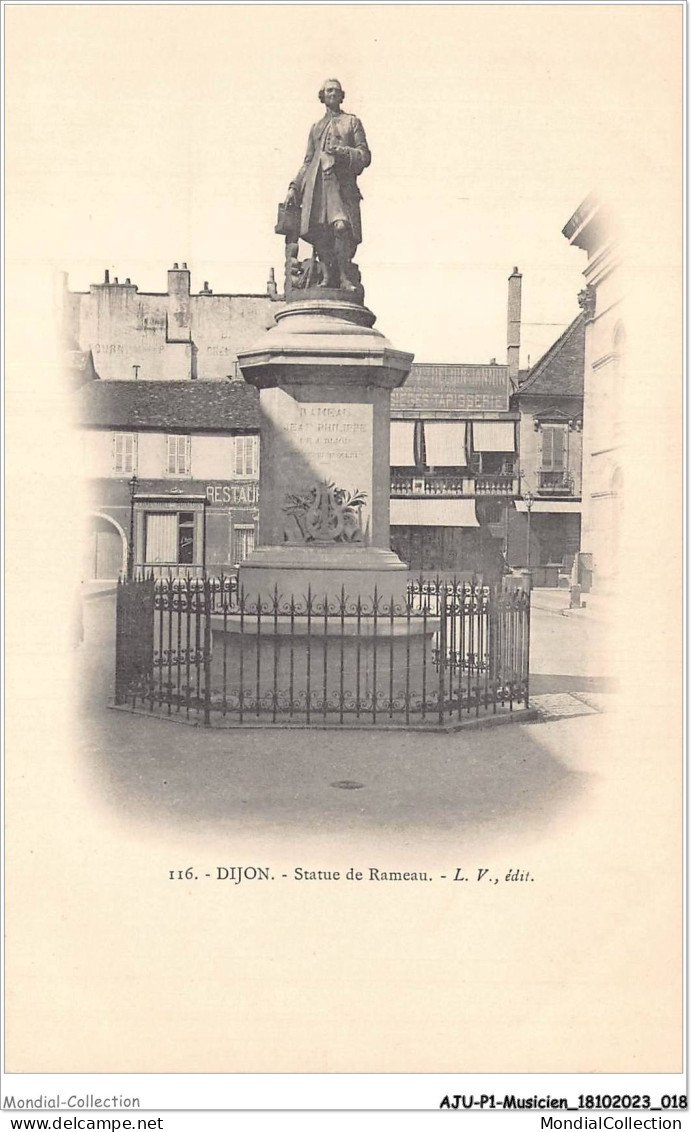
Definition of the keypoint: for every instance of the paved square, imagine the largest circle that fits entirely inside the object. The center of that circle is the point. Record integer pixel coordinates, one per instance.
(560, 705)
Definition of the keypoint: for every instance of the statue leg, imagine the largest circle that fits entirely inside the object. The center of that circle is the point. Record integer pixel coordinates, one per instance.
(344, 250)
(324, 247)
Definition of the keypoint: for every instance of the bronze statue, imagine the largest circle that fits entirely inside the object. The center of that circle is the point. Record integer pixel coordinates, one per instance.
(326, 193)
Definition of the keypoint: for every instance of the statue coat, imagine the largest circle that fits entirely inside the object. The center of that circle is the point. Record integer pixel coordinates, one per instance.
(327, 185)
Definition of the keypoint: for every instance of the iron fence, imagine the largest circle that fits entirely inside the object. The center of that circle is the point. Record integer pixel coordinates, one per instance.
(203, 650)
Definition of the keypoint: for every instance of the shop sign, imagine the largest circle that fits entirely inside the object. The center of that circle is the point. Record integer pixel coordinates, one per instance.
(232, 494)
(465, 388)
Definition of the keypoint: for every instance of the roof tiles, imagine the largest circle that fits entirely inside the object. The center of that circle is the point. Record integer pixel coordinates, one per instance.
(214, 406)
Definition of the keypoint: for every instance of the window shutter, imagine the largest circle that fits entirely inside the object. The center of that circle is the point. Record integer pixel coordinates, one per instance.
(251, 454)
(547, 448)
(123, 452)
(559, 461)
(178, 456)
(161, 537)
(245, 455)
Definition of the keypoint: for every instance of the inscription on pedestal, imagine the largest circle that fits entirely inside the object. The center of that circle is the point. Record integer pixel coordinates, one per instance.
(323, 458)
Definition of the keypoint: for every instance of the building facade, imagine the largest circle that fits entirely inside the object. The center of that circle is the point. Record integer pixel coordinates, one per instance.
(172, 472)
(454, 460)
(175, 335)
(545, 525)
(592, 228)
(169, 431)
(171, 441)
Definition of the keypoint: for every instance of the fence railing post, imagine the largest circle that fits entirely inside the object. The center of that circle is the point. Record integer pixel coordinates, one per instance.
(442, 597)
(207, 651)
(119, 697)
(526, 616)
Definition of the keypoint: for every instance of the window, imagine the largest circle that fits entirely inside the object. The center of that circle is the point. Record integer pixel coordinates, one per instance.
(554, 455)
(244, 542)
(246, 455)
(553, 473)
(124, 453)
(178, 455)
(170, 537)
(492, 464)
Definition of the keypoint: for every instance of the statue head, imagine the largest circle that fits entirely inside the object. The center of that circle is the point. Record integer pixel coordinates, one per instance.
(331, 93)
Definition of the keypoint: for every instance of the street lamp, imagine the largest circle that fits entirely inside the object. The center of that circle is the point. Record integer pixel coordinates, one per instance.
(529, 499)
(130, 549)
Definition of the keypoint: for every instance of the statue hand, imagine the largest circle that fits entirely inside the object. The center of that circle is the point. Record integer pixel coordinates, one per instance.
(291, 195)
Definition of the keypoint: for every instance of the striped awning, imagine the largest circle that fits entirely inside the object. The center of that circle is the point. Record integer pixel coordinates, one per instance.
(445, 444)
(494, 436)
(402, 455)
(433, 513)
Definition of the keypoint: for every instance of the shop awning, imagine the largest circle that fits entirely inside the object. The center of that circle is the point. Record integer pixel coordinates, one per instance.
(494, 436)
(402, 455)
(545, 506)
(445, 444)
(433, 513)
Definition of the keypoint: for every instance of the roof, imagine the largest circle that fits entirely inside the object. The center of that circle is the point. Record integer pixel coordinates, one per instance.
(559, 372)
(172, 405)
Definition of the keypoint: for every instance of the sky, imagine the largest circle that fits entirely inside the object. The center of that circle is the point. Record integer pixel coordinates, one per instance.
(141, 135)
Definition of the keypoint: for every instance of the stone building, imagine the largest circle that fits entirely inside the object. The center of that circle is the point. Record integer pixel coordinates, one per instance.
(173, 466)
(454, 460)
(170, 432)
(175, 335)
(592, 228)
(544, 529)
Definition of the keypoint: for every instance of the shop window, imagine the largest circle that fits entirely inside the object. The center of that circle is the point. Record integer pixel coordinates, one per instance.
(178, 455)
(124, 453)
(186, 537)
(169, 538)
(246, 455)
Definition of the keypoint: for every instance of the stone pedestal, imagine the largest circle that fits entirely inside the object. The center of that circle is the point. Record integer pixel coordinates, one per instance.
(325, 377)
(325, 665)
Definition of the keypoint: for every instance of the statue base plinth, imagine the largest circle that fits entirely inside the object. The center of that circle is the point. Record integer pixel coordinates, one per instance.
(326, 571)
(356, 665)
(339, 294)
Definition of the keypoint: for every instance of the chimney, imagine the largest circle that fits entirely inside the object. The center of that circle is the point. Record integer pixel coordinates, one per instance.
(106, 278)
(513, 328)
(271, 288)
(179, 280)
